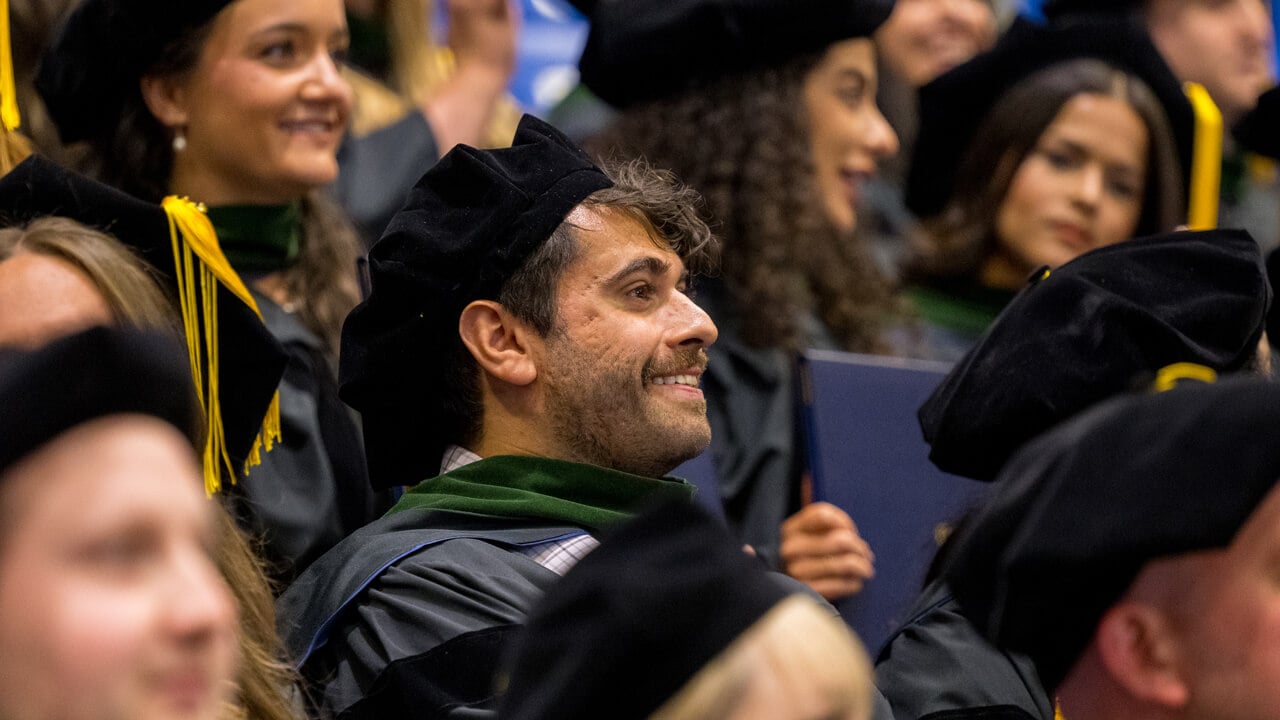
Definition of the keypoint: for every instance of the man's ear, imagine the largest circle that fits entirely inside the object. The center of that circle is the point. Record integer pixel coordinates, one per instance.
(498, 341)
(165, 97)
(1139, 649)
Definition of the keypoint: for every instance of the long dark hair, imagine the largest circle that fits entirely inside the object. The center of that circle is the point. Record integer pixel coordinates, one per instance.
(959, 239)
(743, 143)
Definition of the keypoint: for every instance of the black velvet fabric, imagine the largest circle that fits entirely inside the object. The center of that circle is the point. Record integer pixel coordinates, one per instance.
(631, 623)
(1257, 130)
(1079, 512)
(466, 227)
(640, 50)
(251, 362)
(954, 106)
(102, 49)
(1059, 10)
(1088, 331)
(89, 375)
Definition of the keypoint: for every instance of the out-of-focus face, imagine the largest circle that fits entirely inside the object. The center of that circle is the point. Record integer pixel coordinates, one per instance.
(831, 682)
(622, 365)
(1081, 187)
(848, 136)
(265, 108)
(924, 38)
(43, 297)
(1227, 625)
(110, 605)
(1225, 45)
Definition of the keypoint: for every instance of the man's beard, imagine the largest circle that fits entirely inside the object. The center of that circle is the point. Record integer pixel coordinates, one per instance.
(605, 416)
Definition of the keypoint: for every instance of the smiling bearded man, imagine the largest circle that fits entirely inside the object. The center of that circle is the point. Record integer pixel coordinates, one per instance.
(529, 339)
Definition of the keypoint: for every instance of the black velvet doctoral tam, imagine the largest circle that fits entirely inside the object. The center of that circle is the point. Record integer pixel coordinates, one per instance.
(1090, 330)
(636, 619)
(1078, 512)
(466, 227)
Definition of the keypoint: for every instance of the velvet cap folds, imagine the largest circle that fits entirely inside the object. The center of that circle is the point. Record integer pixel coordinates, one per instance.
(92, 374)
(102, 50)
(636, 619)
(466, 227)
(1256, 131)
(1088, 331)
(251, 362)
(641, 50)
(954, 106)
(1079, 511)
(1058, 10)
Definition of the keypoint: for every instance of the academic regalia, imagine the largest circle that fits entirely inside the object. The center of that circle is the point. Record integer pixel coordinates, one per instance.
(1155, 475)
(1076, 336)
(417, 622)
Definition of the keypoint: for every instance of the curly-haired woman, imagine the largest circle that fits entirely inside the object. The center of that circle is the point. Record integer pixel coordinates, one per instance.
(770, 114)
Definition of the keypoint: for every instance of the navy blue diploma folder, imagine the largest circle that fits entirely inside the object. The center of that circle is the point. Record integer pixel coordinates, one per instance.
(867, 456)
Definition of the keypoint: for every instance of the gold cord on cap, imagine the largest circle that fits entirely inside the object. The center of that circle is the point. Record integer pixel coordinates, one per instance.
(200, 267)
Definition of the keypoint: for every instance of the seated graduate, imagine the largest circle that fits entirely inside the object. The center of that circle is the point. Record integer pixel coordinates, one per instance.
(1056, 142)
(111, 604)
(669, 619)
(1131, 555)
(529, 340)
(59, 275)
(1080, 334)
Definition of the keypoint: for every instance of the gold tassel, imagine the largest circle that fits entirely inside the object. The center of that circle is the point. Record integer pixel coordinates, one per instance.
(1168, 377)
(8, 87)
(200, 266)
(1206, 162)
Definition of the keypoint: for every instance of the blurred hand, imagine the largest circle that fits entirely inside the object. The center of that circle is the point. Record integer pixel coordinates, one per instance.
(821, 548)
(482, 36)
(483, 33)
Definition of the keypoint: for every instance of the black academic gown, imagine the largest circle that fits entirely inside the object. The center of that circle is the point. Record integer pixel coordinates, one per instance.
(937, 665)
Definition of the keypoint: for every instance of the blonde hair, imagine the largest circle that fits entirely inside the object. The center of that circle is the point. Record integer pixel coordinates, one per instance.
(126, 283)
(130, 288)
(798, 641)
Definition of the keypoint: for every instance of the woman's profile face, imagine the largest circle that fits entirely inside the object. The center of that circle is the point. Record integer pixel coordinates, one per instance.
(110, 604)
(848, 136)
(265, 108)
(1080, 187)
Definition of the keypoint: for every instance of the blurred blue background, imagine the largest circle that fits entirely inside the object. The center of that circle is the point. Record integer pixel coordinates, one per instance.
(551, 39)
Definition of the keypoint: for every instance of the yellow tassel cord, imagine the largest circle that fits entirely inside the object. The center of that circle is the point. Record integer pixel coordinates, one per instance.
(200, 266)
(1169, 376)
(8, 87)
(1206, 162)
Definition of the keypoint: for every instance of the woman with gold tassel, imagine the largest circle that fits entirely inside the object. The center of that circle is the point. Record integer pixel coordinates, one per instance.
(241, 106)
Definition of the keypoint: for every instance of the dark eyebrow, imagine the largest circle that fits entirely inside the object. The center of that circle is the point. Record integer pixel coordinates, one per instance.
(296, 28)
(1079, 149)
(651, 265)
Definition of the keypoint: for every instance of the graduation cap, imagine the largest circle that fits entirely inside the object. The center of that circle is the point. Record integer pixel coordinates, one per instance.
(642, 50)
(1087, 330)
(1259, 130)
(953, 107)
(465, 228)
(92, 374)
(1079, 512)
(101, 51)
(1059, 10)
(636, 619)
(234, 360)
